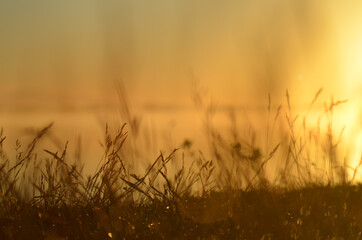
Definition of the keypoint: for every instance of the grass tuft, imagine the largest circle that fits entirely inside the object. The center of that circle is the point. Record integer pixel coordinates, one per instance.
(228, 195)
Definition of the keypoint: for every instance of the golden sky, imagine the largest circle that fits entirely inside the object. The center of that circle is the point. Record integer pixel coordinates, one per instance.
(67, 55)
(72, 51)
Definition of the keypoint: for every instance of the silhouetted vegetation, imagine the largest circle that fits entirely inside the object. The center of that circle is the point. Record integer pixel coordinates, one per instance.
(185, 195)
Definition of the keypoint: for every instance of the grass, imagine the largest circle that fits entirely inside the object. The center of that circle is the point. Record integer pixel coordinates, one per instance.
(184, 194)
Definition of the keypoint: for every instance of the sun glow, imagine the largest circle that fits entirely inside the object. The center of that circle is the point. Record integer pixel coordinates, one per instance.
(352, 85)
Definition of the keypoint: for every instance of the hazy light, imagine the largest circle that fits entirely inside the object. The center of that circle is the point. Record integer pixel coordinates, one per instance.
(65, 56)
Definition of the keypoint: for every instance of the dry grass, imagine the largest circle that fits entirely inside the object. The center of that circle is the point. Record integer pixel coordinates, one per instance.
(228, 196)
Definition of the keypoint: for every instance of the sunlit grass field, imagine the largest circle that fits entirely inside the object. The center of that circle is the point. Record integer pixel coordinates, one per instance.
(227, 193)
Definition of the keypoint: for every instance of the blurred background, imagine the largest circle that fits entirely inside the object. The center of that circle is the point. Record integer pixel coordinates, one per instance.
(68, 62)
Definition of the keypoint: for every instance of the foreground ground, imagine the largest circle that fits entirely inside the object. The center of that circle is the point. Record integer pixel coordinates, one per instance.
(310, 213)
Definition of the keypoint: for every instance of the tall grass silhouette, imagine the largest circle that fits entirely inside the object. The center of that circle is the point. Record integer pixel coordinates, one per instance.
(185, 194)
